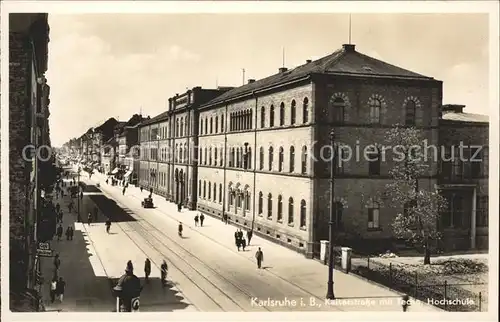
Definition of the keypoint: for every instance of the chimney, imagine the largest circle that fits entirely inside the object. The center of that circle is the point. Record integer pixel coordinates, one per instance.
(250, 81)
(349, 47)
(308, 61)
(454, 108)
(282, 69)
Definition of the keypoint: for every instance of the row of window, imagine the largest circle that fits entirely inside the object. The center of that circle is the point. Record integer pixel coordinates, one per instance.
(293, 113)
(472, 164)
(212, 127)
(241, 121)
(290, 212)
(457, 214)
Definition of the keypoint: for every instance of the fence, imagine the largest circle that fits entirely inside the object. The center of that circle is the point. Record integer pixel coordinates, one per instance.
(432, 289)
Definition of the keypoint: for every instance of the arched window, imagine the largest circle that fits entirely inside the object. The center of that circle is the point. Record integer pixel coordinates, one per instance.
(293, 113)
(199, 188)
(237, 158)
(220, 192)
(261, 203)
(303, 169)
(373, 215)
(338, 107)
(215, 156)
(282, 114)
(182, 127)
(210, 156)
(216, 124)
(222, 123)
(201, 126)
(249, 158)
(271, 116)
(292, 159)
(215, 192)
(375, 105)
(302, 213)
(177, 127)
(261, 158)
(211, 126)
(271, 155)
(200, 154)
(221, 161)
(290, 211)
(280, 159)
(206, 127)
(209, 190)
(177, 153)
(233, 159)
(250, 121)
(305, 111)
(185, 152)
(204, 189)
(262, 117)
(280, 208)
(410, 113)
(269, 206)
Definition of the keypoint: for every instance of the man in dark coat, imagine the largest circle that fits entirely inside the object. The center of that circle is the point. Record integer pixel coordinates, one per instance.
(249, 236)
(147, 269)
(202, 218)
(59, 232)
(128, 287)
(259, 256)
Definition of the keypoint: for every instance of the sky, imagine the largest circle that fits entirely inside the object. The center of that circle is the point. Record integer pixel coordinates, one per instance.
(115, 65)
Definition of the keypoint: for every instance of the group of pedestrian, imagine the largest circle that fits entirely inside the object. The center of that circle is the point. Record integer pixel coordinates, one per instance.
(58, 284)
(239, 240)
(199, 218)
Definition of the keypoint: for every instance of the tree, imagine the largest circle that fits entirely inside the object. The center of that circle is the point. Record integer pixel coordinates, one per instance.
(418, 223)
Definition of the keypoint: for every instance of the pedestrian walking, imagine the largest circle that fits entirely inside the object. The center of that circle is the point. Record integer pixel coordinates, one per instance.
(141, 188)
(179, 207)
(53, 288)
(60, 288)
(405, 302)
(89, 218)
(123, 191)
(240, 234)
(243, 244)
(202, 218)
(107, 180)
(81, 195)
(68, 232)
(108, 225)
(259, 256)
(57, 262)
(249, 236)
(59, 232)
(164, 272)
(151, 191)
(71, 233)
(196, 219)
(147, 269)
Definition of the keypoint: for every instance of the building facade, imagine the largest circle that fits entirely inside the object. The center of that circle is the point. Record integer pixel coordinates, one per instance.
(28, 126)
(463, 178)
(168, 147)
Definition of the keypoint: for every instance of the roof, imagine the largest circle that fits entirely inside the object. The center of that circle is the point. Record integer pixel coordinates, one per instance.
(157, 118)
(344, 61)
(465, 117)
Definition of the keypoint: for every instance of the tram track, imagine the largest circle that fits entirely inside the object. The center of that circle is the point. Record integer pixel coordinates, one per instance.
(192, 255)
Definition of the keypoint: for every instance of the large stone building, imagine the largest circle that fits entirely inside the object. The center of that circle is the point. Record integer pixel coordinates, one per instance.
(28, 126)
(168, 154)
(260, 149)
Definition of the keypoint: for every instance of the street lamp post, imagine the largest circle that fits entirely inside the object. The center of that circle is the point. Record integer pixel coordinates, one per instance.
(329, 294)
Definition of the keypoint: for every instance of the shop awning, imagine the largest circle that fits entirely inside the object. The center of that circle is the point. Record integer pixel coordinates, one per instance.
(115, 170)
(128, 173)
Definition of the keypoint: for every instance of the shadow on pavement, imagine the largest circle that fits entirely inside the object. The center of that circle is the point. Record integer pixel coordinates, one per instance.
(85, 292)
(157, 298)
(106, 206)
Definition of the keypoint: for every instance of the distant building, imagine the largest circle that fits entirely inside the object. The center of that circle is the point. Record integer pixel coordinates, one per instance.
(168, 153)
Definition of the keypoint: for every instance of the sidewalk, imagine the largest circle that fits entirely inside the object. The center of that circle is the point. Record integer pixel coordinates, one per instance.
(353, 293)
(87, 287)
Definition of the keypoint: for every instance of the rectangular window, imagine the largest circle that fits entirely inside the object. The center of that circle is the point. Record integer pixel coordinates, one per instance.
(373, 218)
